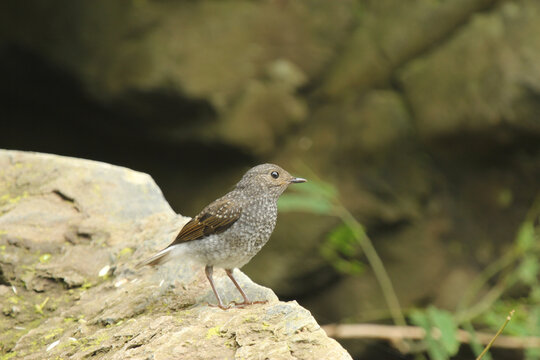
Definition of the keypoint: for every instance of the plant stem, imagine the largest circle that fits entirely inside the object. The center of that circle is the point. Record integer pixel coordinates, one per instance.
(481, 280)
(486, 301)
(376, 264)
(486, 349)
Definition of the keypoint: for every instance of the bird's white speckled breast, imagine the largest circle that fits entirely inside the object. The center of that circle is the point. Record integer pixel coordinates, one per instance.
(236, 246)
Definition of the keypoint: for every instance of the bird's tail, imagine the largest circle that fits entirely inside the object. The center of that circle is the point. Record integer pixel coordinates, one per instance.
(161, 257)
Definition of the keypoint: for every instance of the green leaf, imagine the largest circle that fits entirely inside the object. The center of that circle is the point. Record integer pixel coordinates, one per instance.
(441, 332)
(419, 318)
(525, 237)
(435, 349)
(303, 203)
(351, 267)
(343, 239)
(318, 188)
(444, 321)
(340, 249)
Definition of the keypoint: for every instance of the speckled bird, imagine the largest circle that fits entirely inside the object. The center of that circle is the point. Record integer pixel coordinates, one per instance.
(232, 229)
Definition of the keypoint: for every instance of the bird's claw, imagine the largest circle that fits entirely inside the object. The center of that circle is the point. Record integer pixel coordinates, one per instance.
(221, 306)
(246, 303)
(234, 304)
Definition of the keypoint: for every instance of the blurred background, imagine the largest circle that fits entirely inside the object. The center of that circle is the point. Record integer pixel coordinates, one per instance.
(420, 118)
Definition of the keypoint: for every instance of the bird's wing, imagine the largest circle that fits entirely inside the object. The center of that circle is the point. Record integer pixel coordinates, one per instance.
(214, 219)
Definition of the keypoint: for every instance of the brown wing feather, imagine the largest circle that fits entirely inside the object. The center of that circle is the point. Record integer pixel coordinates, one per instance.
(214, 219)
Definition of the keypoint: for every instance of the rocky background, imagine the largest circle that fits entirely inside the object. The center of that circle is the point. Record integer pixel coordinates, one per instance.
(424, 114)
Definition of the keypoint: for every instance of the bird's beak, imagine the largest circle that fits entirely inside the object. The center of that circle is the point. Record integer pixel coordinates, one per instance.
(297, 180)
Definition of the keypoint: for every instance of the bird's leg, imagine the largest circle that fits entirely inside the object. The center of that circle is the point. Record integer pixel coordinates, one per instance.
(209, 270)
(246, 301)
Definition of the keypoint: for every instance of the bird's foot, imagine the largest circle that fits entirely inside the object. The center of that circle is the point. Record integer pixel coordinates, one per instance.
(221, 306)
(234, 304)
(246, 303)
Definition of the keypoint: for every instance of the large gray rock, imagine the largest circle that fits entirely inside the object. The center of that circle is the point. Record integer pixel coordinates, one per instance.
(388, 34)
(177, 62)
(485, 79)
(70, 233)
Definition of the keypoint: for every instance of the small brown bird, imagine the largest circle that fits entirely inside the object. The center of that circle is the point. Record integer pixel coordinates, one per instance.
(232, 229)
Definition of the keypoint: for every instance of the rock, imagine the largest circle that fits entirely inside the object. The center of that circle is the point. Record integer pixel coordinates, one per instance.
(484, 80)
(193, 59)
(75, 293)
(390, 33)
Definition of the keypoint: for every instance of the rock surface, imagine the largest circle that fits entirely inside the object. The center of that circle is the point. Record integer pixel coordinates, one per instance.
(71, 231)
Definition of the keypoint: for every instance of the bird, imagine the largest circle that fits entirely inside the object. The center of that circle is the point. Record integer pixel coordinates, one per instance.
(231, 230)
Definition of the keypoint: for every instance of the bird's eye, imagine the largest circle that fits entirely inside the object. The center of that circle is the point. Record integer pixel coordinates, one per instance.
(274, 174)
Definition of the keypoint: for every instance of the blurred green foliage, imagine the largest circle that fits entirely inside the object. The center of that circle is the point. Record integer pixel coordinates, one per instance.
(442, 343)
(341, 248)
(486, 303)
(314, 196)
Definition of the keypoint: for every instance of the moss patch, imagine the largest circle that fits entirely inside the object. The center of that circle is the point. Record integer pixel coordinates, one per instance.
(215, 331)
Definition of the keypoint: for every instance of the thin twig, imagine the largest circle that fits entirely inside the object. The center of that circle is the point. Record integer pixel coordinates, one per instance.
(492, 341)
(395, 333)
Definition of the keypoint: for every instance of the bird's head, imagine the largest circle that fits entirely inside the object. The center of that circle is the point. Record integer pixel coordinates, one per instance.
(267, 179)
